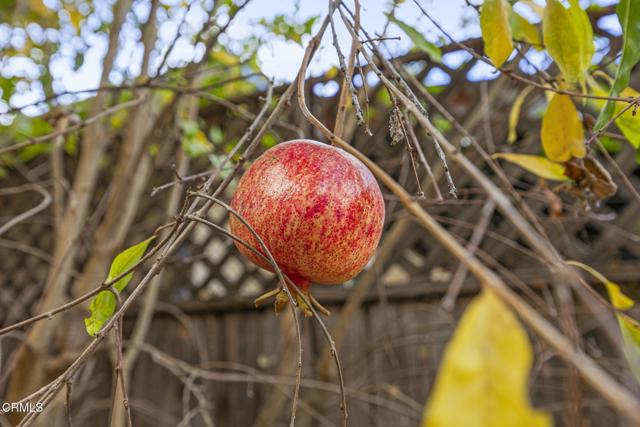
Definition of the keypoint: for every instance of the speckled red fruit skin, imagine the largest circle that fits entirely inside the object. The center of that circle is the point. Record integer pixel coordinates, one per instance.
(318, 209)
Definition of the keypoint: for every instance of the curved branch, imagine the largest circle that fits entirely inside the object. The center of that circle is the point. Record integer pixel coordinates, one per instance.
(46, 201)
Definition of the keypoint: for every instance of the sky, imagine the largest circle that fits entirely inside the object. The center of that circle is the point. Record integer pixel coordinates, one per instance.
(277, 58)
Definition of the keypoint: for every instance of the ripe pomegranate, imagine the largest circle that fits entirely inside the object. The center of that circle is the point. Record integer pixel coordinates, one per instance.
(317, 208)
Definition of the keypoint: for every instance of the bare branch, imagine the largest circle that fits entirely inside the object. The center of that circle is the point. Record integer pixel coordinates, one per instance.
(46, 201)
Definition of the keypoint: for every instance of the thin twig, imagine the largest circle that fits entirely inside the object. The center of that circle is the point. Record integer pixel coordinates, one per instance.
(623, 176)
(46, 201)
(68, 403)
(57, 172)
(449, 300)
(93, 119)
(632, 105)
(119, 372)
(281, 277)
(347, 73)
(404, 87)
(334, 354)
(250, 375)
(421, 156)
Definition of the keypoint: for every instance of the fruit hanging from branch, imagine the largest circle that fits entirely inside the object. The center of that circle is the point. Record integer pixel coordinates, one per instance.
(318, 209)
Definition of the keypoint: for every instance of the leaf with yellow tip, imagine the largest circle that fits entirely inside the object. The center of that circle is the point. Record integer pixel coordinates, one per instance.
(629, 328)
(514, 114)
(482, 380)
(496, 30)
(562, 133)
(537, 165)
(568, 37)
(618, 299)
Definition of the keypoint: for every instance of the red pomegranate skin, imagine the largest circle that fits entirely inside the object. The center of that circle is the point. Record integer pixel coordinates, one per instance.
(317, 208)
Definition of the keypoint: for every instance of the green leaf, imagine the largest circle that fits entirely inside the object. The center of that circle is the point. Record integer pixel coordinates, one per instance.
(189, 127)
(7, 87)
(562, 133)
(216, 161)
(525, 31)
(496, 30)
(629, 15)
(629, 328)
(537, 165)
(104, 304)
(216, 134)
(268, 140)
(194, 141)
(32, 151)
(384, 98)
(441, 123)
(283, 26)
(418, 40)
(124, 261)
(482, 380)
(628, 122)
(568, 37)
(612, 145)
(102, 308)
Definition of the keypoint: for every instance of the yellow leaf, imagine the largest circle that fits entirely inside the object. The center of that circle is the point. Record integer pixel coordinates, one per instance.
(482, 381)
(568, 37)
(562, 133)
(514, 114)
(540, 166)
(629, 328)
(38, 7)
(75, 17)
(496, 31)
(331, 73)
(118, 119)
(223, 57)
(524, 30)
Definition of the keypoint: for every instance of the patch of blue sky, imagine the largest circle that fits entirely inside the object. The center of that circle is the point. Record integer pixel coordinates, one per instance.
(437, 77)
